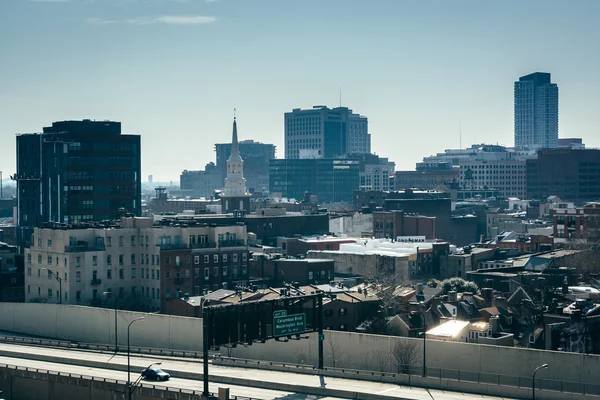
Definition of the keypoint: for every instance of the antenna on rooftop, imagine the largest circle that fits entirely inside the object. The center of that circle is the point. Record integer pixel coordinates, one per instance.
(460, 134)
(340, 96)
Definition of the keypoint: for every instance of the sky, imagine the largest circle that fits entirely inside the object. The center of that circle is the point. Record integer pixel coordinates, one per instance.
(422, 71)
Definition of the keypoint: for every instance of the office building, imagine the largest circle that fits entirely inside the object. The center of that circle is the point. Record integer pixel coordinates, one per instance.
(141, 263)
(508, 177)
(77, 171)
(375, 173)
(201, 183)
(256, 158)
(572, 175)
(427, 176)
(330, 180)
(536, 112)
(322, 132)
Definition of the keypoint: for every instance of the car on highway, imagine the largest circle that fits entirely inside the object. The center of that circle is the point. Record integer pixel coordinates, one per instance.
(155, 374)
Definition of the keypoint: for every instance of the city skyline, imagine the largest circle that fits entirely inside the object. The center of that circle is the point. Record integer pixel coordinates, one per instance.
(172, 71)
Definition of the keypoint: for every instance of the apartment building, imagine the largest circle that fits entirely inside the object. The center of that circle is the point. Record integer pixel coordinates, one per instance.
(77, 264)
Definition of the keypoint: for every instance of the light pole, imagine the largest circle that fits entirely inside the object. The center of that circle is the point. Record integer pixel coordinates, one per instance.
(55, 276)
(206, 392)
(108, 294)
(128, 357)
(424, 325)
(545, 366)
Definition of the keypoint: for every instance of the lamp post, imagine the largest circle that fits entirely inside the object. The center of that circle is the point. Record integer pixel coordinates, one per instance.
(128, 357)
(545, 366)
(55, 276)
(206, 392)
(424, 325)
(108, 294)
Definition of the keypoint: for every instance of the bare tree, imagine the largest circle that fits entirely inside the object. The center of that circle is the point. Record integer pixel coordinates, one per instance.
(366, 361)
(300, 356)
(335, 353)
(587, 262)
(405, 355)
(382, 358)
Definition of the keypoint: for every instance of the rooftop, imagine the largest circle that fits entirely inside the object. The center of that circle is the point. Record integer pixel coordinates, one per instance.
(450, 328)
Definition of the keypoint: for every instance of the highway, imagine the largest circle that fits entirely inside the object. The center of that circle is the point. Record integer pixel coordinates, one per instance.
(114, 367)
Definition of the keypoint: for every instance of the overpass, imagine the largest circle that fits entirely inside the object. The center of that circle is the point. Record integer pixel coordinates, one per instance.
(245, 383)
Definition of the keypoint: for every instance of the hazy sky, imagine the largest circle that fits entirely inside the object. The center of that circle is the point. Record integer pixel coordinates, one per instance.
(173, 70)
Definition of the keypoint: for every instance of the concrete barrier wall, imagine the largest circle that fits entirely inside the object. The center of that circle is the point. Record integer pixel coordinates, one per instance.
(351, 350)
(19, 384)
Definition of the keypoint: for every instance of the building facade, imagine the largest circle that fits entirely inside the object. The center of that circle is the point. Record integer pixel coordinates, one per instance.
(77, 171)
(536, 112)
(11, 274)
(77, 265)
(508, 177)
(572, 175)
(322, 132)
(201, 183)
(256, 158)
(331, 180)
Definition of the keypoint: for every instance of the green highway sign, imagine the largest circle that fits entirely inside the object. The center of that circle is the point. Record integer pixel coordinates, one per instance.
(288, 324)
(280, 313)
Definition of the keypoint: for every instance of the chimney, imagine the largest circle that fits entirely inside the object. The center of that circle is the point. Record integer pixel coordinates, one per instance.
(500, 302)
(419, 288)
(488, 296)
(494, 324)
(452, 297)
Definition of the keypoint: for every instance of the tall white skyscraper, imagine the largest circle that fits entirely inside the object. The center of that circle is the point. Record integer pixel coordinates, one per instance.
(536, 112)
(322, 132)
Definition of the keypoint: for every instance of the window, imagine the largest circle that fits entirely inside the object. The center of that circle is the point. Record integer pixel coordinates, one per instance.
(168, 293)
(187, 273)
(168, 260)
(216, 271)
(196, 272)
(94, 261)
(187, 259)
(121, 273)
(121, 259)
(39, 272)
(153, 292)
(132, 273)
(157, 274)
(77, 262)
(225, 271)
(168, 274)
(197, 259)
(152, 274)
(65, 276)
(109, 274)
(206, 273)
(244, 256)
(49, 260)
(28, 289)
(39, 291)
(120, 241)
(29, 271)
(235, 257)
(343, 311)
(49, 293)
(224, 258)
(152, 259)
(216, 258)
(310, 275)
(133, 259)
(157, 293)
(328, 313)
(133, 241)
(29, 258)
(77, 276)
(206, 259)
(49, 242)
(147, 273)
(108, 241)
(109, 260)
(78, 295)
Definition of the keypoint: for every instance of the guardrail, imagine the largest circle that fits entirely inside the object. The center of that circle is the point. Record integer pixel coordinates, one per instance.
(162, 388)
(415, 371)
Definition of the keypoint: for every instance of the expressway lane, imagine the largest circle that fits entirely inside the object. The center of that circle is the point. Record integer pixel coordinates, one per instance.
(75, 361)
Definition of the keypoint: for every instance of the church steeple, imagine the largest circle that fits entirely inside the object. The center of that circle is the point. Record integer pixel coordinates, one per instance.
(235, 148)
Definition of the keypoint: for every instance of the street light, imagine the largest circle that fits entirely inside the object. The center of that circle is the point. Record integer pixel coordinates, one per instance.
(545, 366)
(424, 325)
(128, 357)
(206, 392)
(138, 380)
(55, 276)
(108, 294)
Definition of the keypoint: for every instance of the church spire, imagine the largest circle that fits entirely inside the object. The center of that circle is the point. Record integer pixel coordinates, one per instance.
(235, 148)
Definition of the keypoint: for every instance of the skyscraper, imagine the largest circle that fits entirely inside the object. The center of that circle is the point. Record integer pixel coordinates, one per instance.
(536, 112)
(77, 171)
(322, 132)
